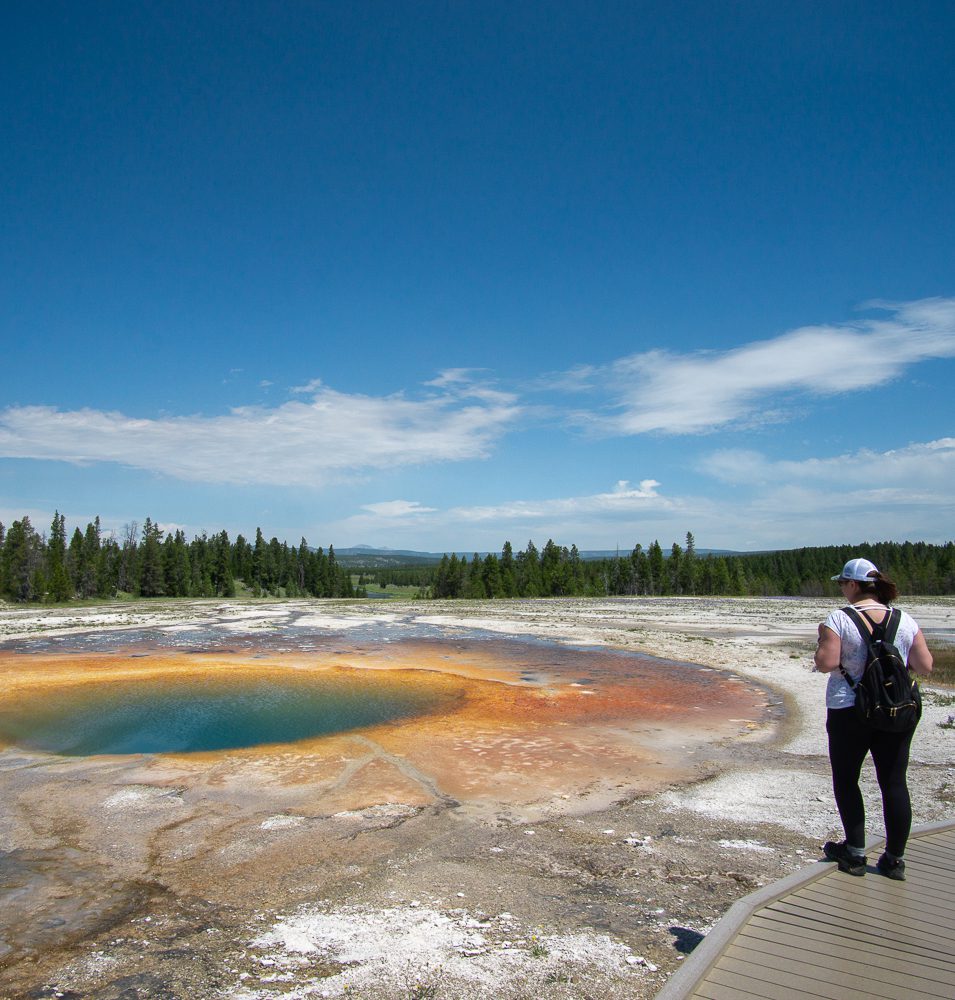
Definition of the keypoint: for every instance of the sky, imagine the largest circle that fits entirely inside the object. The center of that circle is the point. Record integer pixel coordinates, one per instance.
(438, 276)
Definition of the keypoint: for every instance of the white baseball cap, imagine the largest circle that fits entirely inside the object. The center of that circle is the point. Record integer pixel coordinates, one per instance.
(857, 569)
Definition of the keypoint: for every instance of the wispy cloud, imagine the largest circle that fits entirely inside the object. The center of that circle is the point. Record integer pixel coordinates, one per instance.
(332, 437)
(547, 516)
(916, 469)
(454, 377)
(622, 499)
(906, 492)
(311, 386)
(465, 384)
(901, 493)
(398, 508)
(688, 394)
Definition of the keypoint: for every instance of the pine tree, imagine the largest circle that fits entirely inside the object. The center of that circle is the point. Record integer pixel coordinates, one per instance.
(76, 563)
(529, 572)
(261, 570)
(223, 583)
(491, 574)
(87, 584)
(22, 562)
(655, 568)
(508, 572)
(107, 566)
(641, 570)
(674, 573)
(242, 560)
(57, 578)
(152, 579)
(688, 566)
(474, 584)
(127, 577)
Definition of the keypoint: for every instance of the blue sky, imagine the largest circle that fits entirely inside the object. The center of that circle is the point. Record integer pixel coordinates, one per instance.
(438, 276)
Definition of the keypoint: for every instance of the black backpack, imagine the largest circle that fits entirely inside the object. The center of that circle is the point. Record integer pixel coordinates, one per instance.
(887, 694)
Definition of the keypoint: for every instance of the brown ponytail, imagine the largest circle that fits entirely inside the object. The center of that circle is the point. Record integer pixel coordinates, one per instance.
(882, 587)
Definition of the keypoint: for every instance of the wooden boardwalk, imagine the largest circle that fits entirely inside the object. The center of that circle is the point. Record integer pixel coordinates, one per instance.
(823, 933)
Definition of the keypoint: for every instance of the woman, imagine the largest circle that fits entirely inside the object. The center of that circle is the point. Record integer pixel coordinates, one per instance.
(850, 739)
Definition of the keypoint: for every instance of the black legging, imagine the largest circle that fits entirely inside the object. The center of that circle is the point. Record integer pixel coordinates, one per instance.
(849, 741)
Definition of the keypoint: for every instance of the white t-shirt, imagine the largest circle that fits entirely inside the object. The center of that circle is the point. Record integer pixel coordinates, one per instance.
(838, 692)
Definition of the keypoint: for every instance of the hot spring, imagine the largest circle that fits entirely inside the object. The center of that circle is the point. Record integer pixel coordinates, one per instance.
(459, 702)
(163, 714)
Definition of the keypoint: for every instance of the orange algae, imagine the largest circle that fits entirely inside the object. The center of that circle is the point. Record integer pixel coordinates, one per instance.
(512, 723)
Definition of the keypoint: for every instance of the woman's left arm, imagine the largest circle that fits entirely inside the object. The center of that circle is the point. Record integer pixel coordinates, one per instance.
(828, 650)
(920, 659)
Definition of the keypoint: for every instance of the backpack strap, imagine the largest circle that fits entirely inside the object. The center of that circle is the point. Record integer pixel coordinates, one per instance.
(871, 632)
(891, 625)
(864, 624)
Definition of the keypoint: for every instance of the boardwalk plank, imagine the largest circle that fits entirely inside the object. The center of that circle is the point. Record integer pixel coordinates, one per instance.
(827, 982)
(933, 894)
(899, 911)
(878, 895)
(780, 953)
(851, 937)
(731, 973)
(906, 927)
(716, 991)
(932, 848)
(926, 867)
(803, 940)
(937, 842)
(820, 935)
(912, 944)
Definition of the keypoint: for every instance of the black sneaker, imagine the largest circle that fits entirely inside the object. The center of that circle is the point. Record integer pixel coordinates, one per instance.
(854, 864)
(892, 869)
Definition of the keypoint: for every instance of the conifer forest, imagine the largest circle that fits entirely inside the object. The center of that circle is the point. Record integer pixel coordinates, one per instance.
(150, 563)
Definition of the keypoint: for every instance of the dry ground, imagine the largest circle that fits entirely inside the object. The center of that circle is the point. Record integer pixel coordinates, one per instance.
(266, 876)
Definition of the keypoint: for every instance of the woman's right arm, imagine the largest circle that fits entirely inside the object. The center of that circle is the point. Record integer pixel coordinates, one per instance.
(920, 659)
(828, 651)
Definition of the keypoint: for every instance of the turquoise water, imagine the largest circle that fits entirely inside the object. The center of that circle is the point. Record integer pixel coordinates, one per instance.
(186, 716)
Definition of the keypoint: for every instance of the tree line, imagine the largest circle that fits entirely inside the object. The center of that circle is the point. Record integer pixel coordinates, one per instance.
(149, 562)
(556, 571)
(154, 563)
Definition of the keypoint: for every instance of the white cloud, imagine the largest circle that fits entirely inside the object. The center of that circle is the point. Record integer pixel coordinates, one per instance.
(453, 377)
(462, 383)
(312, 385)
(863, 495)
(623, 499)
(685, 394)
(330, 438)
(398, 508)
(581, 378)
(566, 518)
(919, 468)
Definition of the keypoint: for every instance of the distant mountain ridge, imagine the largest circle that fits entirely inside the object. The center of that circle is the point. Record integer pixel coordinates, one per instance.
(369, 555)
